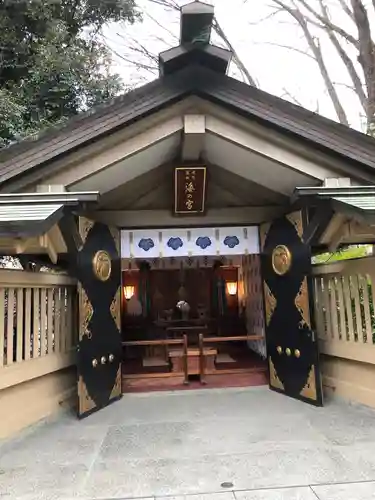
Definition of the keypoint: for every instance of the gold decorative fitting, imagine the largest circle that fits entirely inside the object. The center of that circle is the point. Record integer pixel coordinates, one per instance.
(309, 391)
(111, 358)
(270, 303)
(295, 218)
(94, 363)
(116, 308)
(302, 303)
(297, 353)
(279, 349)
(85, 402)
(102, 265)
(86, 312)
(116, 390)
(288, 351)
(85, 226)
(103, 360)
(274, 379)
(264, 229)
(281, 259)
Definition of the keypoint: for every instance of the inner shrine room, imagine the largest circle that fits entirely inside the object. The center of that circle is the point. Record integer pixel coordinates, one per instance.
(192, 307)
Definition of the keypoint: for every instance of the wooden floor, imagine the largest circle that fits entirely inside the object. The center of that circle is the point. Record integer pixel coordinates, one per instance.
(221, 381)
(245, 371)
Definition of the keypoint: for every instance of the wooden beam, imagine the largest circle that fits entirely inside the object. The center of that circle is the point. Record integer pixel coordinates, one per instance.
(21, 245)
(336, 221)
(130, 219)
(267, 149)
(356, 228)
(47, 244)
(338, 236)
(57, 239)
(318, 223)
(70, 233)
(193, 137)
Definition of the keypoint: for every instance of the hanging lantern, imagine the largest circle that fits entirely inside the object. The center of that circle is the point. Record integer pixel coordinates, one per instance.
(232, 287)
(129, 291)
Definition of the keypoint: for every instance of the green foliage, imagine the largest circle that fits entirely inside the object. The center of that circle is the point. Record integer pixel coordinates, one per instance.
(53, 61)
(351, 252)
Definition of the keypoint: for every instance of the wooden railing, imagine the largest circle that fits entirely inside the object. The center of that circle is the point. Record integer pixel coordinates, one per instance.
(166, 343)
(37, 324)
(344, 308)
(218, 340)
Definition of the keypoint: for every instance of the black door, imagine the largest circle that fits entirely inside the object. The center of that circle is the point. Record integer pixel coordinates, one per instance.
(292, 346)
(99, 348)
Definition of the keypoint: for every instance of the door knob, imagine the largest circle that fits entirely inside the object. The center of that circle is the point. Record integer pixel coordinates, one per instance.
(103, 360)
(94, 363)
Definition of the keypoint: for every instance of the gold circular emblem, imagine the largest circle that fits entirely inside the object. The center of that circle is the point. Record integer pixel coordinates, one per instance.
(288, 351)
(297, 353)
(102, 266)
(281, 260)
(279, 349)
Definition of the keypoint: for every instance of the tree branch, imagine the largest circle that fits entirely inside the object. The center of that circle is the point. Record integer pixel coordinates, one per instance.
(366, 54)
(163, 27)
(293, 49)
(329, 24)
(346, 9)
(291, 97)
(357, 83)
(169, 4)
(318, 55)
(241, 66)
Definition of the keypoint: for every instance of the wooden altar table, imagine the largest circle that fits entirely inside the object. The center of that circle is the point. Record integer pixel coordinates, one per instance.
(177, 358)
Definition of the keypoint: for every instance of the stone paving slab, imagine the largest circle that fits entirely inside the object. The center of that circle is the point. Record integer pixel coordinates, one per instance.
(277, 494)
(352, 491)
(184, 445)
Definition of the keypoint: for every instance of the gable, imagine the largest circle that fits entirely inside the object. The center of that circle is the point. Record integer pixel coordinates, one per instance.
(336, 142)
(249, 165)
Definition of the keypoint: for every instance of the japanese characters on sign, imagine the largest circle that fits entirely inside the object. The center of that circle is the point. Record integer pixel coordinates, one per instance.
(190, 189)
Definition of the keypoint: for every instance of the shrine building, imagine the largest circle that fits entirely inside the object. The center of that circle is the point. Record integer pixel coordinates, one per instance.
(168, 240)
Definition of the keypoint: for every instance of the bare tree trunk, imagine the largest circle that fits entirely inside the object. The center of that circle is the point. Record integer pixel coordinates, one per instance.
(366, 59)
(317, 52)
(357, 83)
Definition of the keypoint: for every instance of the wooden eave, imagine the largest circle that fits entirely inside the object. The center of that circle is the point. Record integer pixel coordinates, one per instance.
(334, 139)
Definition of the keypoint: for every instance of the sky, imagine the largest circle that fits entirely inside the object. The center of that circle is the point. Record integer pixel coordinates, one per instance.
(271, 46)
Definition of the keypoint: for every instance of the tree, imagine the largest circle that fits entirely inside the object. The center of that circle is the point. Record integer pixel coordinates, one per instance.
(354, 46)
(53, 62)
(336, 36)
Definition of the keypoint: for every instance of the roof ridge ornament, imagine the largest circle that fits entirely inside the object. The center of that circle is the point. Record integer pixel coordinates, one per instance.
(196, 25)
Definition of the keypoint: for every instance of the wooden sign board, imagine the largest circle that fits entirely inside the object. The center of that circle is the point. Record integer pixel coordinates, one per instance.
(190, 190)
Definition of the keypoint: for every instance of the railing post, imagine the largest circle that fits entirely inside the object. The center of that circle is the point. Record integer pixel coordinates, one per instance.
(201, 359)
(186, 370)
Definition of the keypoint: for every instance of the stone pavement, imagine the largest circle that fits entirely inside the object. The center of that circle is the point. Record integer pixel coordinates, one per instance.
(186, 445)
